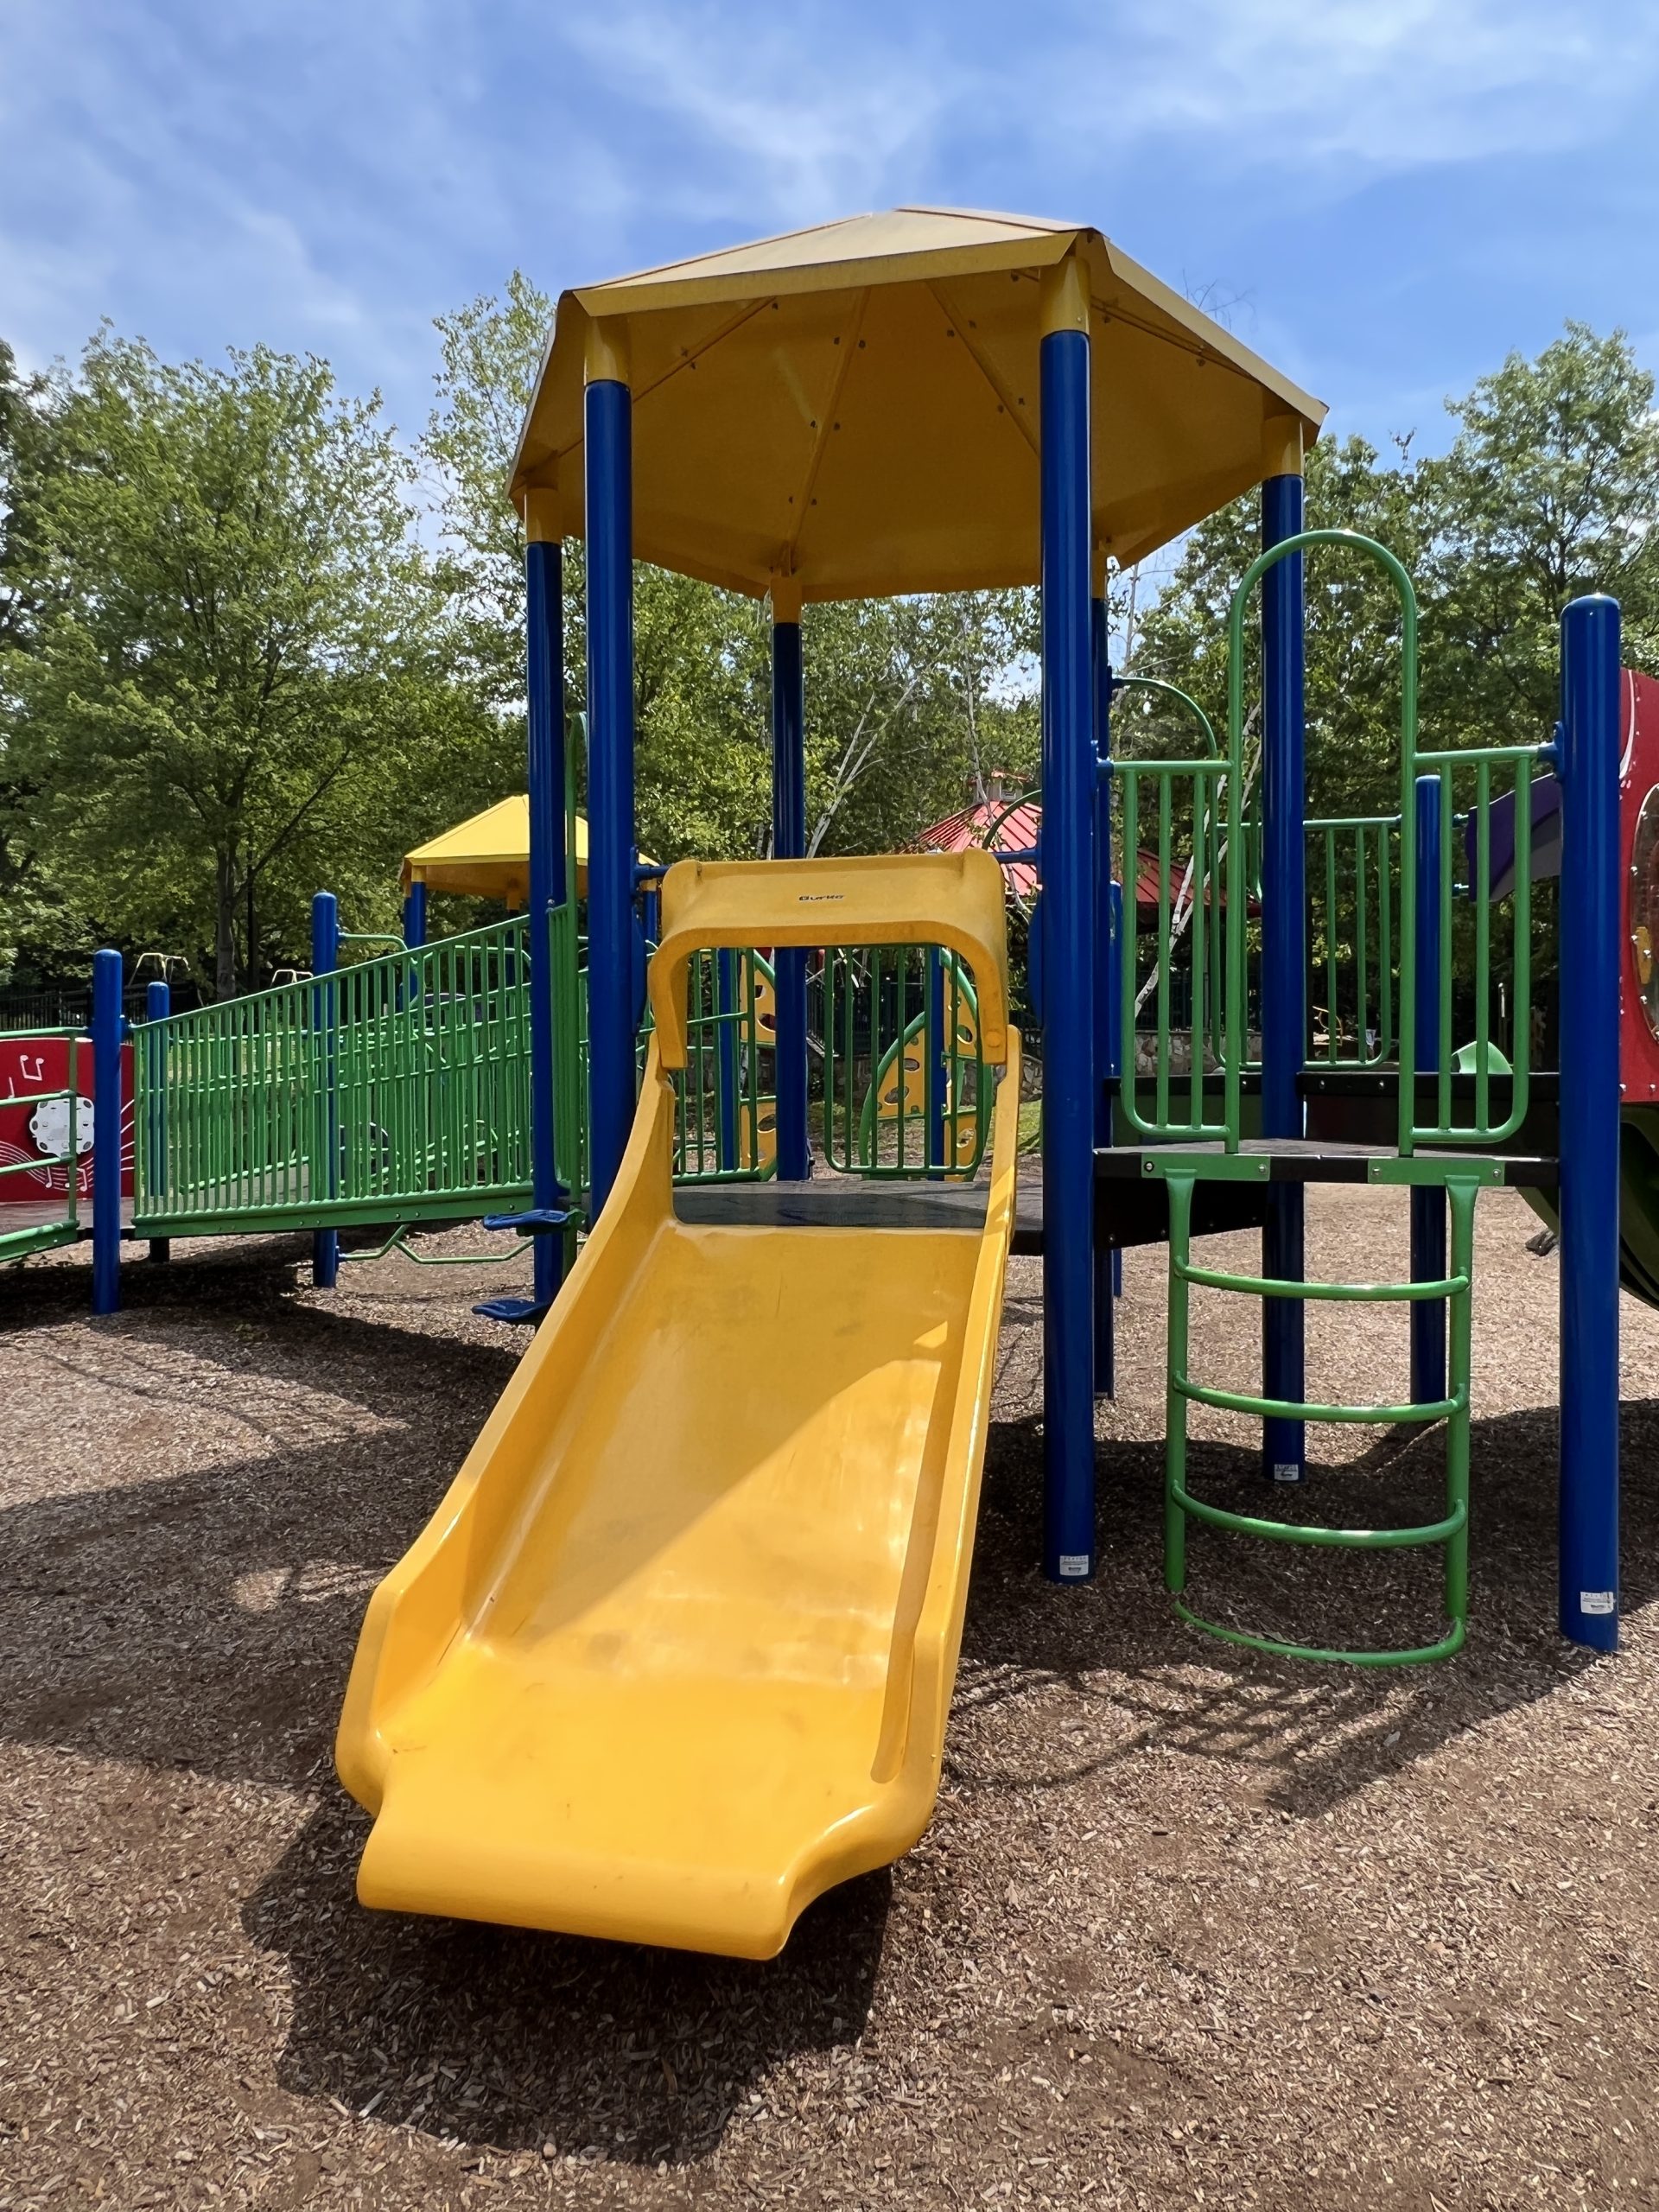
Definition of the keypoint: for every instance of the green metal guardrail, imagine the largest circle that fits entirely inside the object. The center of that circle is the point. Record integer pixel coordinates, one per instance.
(905, 1092)
(1482, 1127)
(1353, 908)
(41, 1237)
(1212, 882)
(396, 1090)
(727, 1125)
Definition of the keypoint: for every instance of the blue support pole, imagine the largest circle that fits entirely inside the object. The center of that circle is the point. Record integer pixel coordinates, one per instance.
(1068, 925)
(106, 1132)
(1428, 1260)
(544, 672)
(325, 1006)
(158, 1005)
(1589, 1139)
(609, 447)
(726, 1059)
(415, 916)
(789, 843)
(1106, 992)
(1284, 949)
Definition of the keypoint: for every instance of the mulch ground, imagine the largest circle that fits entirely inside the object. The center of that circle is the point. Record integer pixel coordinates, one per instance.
(1192, 1927)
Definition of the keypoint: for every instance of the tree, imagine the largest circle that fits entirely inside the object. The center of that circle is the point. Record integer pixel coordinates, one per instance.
(1550, 489)
(234, 642)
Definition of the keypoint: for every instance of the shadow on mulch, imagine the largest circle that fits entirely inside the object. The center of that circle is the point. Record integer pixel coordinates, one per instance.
(507, 2038)
(207, 1620)
(1309, 1734)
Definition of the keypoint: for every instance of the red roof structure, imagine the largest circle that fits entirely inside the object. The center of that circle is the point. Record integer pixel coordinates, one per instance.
(1017, 824)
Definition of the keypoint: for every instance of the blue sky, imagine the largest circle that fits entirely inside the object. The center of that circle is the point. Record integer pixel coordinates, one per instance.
(1384, 196)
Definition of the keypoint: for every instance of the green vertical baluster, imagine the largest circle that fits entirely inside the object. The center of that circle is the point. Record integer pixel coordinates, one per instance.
(1363, 945)
(1448, 830)
(1129, 955)
(1179, 1188)
(1330, 942)
(1483, 888)
(1461, 1191)
(1162, 1001)
(1195, 930)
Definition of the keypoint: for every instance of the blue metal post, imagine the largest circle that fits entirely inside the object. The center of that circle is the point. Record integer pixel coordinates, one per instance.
(1106, 991)
(415, 916)
(1068, 925)
(545, 671)
(158, 1005)
(325, 1006)
(1284, 959)
(106, 1132)
(1427, 1204)
(609, 446)
(726, 1059)
(1589, 1139)
(789, 843)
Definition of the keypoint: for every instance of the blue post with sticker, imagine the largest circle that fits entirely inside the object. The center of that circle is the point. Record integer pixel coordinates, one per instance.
(1590, 893)
(1427, 1201)
(325, 1006)
(106, 1132)
(158, 1006)
(789, 843)
(1284, 931)
(1069, 929)
(608, 416)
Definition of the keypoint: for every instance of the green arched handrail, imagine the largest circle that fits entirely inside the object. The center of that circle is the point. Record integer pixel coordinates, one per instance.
(1304, 541)
(1172, 691)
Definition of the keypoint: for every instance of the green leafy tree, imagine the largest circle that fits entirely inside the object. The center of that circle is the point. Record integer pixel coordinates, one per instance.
(233, 664)
(1550, 489)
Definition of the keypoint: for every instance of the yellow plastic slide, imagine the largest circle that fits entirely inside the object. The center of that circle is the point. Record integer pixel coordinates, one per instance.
(674, 1655)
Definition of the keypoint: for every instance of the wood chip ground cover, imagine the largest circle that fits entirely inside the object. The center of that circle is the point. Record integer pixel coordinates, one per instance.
(1190, 1927)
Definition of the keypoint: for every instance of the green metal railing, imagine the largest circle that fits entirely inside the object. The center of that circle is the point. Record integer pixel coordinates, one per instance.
(41, 1236)
(726, 1129)
(1482, 1126)
(1353, 907)
(395, 1089)
(1212, 933)
(905, 1092)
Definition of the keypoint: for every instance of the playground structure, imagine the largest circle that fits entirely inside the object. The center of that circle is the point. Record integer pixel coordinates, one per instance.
(669, 1575)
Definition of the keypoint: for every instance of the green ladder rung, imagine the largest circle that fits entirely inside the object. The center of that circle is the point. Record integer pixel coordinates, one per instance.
(1296, 1532)
(1419, 1654)
(1375, 1293)
(1243, 1401)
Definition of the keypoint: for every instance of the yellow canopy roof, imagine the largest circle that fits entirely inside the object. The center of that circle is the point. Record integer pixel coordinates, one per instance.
(489, 855)
(855, 406)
